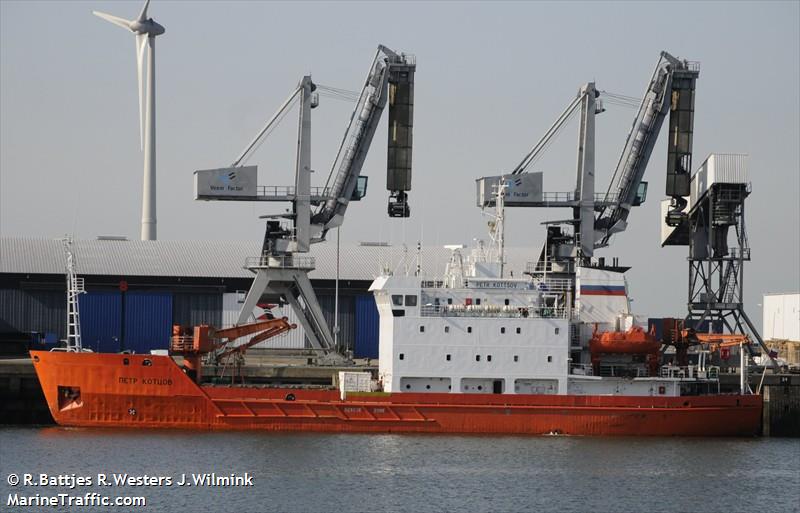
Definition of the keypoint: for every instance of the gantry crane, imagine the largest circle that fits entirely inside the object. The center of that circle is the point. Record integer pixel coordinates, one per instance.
(281, 269)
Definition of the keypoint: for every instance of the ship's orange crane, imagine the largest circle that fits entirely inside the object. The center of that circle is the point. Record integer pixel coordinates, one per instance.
(204, 340)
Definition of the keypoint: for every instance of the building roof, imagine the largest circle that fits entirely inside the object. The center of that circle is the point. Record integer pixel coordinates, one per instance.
(216, 259)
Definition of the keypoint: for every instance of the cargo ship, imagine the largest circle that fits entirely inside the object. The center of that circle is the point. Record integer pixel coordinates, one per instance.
(468, 352)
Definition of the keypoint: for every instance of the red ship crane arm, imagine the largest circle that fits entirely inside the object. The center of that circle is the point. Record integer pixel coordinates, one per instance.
(268, 329)
(206, 339)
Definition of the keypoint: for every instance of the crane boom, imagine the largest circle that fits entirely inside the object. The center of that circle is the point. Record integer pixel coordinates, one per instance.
(387, 68)
(629, 189)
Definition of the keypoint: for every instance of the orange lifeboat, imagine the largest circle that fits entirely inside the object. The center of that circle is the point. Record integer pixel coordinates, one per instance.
(635, 341)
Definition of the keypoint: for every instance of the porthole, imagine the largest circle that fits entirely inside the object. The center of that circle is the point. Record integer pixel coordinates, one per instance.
(428, 387)
(125, 361)
(147, 362)
(480, 387)
(408, 387)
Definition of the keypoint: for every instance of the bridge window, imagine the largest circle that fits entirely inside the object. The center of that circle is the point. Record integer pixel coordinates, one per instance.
(411, 300)
(397, 300)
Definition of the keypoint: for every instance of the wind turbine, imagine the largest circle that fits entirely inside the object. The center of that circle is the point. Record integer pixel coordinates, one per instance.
(146, 31)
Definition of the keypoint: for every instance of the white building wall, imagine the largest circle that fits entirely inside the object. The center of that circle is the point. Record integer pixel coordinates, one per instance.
(781, 319)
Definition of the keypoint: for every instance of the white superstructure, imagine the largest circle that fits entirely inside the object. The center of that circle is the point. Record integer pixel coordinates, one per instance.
(472, 331)
(480, 329)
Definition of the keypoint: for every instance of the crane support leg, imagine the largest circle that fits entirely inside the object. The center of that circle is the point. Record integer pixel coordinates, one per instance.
(295, 287)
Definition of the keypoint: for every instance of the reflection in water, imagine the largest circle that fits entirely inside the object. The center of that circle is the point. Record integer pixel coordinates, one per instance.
(346, 472)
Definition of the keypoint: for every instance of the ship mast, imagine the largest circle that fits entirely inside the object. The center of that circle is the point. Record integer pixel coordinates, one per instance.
(74, 289)
(497, 224)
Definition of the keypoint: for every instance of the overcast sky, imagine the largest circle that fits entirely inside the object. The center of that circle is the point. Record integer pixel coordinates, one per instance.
(491, 78)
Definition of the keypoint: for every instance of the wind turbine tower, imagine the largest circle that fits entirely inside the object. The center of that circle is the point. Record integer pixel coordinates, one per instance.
(145, 30)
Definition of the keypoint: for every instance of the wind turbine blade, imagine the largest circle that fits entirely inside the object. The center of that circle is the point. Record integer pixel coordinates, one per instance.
(141, 44)
(116, 20)
(143, 14)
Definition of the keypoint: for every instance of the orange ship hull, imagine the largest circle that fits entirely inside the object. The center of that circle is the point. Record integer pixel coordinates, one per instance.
(118, 390)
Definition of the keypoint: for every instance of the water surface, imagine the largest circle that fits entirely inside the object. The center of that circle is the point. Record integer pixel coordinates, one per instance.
(415, 473)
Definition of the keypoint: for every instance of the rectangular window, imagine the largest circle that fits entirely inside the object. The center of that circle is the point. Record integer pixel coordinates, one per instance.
(447, 357)
(447, 329)
(411, 300)
(422, 329)
(469, 329)
(477, 300)
(449, 301)
(502, 330)
(506, 302)
(401, 356)
(488, 358)
(549, 359)
(477, 357)
(397, 299)
(516, 358)
(557, 331)
(519, 330)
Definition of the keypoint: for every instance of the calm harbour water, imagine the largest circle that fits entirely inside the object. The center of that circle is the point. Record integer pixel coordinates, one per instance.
(414, 473)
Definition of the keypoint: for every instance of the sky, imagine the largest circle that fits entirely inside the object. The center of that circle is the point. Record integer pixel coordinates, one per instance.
(491, 78)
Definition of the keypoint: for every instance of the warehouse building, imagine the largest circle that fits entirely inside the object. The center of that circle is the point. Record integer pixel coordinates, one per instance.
(782, 325)
(136, 290)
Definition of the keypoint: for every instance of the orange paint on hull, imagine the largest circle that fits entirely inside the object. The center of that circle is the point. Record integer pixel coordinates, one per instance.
(101, 390)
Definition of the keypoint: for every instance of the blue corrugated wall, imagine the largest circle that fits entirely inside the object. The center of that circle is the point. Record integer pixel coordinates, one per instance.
(148, 320)
(367, 323)
(101, 321)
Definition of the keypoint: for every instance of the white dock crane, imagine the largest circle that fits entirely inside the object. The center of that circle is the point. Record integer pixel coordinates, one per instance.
(597, 217)
(281, 269)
